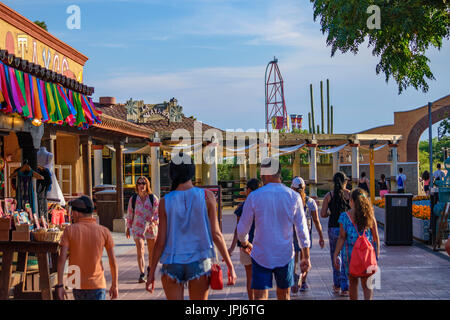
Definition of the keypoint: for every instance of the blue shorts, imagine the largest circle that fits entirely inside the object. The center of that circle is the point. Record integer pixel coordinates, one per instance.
(94, 294)
(262, 277)
(297, 246)
(182, 273)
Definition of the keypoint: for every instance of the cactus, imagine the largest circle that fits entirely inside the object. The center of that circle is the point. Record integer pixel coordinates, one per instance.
(328, 106)
(321, 106)
(332, 117)
(309, 122)
(312, 109)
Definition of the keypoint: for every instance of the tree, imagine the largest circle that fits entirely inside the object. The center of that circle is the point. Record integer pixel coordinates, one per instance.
(408, 28)
(444, 128)
(41, 24)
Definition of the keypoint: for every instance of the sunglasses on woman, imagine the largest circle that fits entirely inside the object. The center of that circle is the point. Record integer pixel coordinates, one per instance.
(141, 183)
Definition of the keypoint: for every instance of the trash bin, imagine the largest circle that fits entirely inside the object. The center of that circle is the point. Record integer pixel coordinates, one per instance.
(398, 228)
(106, 207)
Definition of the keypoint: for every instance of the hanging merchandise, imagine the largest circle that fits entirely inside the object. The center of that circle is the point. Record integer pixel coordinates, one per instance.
(45, 160)
(42, 188)
(24, 186)
(42, 101)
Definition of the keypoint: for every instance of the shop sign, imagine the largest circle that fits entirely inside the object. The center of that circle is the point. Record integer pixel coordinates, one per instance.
(22, 45)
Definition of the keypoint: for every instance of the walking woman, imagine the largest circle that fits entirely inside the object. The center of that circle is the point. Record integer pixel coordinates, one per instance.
(364, 182)
(142, 223)
(244, 256)
(334, 203)
(311, 211)
(353, 223)
(426, 182)
(383, 186)
(188, 228)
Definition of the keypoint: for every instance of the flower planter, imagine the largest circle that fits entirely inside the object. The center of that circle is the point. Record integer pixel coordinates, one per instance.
(420, 229)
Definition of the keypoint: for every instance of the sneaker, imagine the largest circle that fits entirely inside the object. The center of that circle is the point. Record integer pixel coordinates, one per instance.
(304, 287)
(294, 289)
(142, 278)
(336, 290)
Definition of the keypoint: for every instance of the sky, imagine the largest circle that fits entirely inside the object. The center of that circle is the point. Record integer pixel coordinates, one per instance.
(212, 56)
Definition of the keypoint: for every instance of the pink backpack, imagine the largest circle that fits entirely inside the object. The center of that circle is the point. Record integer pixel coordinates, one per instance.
(363, 262)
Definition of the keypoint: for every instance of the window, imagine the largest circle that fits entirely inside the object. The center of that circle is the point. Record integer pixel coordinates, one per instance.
(135, 165)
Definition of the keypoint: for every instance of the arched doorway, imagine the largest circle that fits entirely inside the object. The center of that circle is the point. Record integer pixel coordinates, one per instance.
(412, 142)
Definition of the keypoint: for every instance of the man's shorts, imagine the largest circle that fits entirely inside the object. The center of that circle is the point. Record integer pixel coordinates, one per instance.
(244, 257)
(262, 277)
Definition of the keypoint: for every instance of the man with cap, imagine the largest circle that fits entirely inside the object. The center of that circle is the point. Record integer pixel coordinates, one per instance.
(276, 210)
(85, 240)
(311, 212)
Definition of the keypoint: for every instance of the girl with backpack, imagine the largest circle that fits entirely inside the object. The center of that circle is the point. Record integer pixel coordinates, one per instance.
(359, 243)
(311, 211)
(142, 223)
(334, 203)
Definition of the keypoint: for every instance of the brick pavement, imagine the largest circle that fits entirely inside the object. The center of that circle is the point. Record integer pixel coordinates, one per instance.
(407, 272)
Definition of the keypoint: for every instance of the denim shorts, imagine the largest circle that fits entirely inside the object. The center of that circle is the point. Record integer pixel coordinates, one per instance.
(94, 294)
(182, 273)
(262, 277)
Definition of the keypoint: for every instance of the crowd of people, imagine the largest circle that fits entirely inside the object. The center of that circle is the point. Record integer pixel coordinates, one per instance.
(273, 233)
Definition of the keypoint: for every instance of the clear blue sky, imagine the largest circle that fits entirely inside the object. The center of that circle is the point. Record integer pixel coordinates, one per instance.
(212, 54)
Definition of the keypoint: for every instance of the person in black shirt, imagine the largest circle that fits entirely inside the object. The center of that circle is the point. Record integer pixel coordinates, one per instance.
(334, 203)
(364, 183)
(245, 259)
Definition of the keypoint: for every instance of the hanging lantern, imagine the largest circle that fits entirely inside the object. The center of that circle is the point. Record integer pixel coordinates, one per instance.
(36, 122)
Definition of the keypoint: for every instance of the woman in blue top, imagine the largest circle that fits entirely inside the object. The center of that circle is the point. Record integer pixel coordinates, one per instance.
(361, 216)
(188, 226)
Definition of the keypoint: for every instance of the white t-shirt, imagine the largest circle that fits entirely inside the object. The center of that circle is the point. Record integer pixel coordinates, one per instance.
(401, 185)
(311, 205)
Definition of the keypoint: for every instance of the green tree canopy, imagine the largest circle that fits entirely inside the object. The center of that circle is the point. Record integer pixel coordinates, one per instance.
(41, 24)
(408, 28)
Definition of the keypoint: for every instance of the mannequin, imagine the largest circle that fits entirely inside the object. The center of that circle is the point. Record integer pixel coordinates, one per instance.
(45, 159)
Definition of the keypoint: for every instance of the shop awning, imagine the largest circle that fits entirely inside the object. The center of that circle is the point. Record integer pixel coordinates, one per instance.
(41, 101)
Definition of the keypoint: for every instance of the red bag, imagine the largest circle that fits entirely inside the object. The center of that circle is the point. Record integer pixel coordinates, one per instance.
(216, 281)
(363, 261)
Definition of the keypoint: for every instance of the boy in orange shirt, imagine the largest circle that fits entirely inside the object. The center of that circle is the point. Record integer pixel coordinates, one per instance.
(85, 240)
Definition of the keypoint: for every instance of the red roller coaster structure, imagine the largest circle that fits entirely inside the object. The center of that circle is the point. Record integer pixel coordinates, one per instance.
(276, 113)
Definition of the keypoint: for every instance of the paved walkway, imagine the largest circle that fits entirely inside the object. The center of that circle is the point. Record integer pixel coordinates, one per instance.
(407, 272)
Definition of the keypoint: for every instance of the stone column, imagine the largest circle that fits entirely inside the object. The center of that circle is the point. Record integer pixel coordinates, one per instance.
(213, 175)
(253, 171)
(86, 143)
(335, 162)
(119, 224)
(394, 166)
(312, 169)
(355, 163)
(51, 149)
(296, 165)
(98, 164)
(155, 167)
(243, 170)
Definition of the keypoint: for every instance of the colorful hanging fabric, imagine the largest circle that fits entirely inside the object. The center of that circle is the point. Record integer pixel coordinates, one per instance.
(20, 81)
(33, 98)
(4, 89)
(26, 81)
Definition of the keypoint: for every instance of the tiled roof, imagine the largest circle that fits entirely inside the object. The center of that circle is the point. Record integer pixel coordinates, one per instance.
(118, 111)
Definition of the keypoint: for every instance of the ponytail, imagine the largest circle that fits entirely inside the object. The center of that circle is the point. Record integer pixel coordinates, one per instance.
(181, 172)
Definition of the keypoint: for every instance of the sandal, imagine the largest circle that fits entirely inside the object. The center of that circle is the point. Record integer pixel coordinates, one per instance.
(344, 293)
(336, 290)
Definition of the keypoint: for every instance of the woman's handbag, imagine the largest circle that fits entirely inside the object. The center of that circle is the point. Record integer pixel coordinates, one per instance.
(216, 280)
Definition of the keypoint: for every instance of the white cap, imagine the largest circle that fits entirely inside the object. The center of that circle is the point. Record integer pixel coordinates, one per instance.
(297, 183)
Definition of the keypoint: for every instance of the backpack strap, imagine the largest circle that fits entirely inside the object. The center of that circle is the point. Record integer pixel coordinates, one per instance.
(348, 215)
